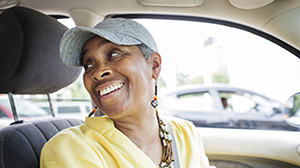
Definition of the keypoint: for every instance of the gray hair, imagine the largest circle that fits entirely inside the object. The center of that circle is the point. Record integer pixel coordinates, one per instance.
(146, 51)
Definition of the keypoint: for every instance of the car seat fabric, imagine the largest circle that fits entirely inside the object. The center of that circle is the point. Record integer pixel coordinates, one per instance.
(29, 53)
(21, 144)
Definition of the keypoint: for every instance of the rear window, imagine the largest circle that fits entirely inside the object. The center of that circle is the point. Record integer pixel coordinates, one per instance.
(66, 110)
(25, 108)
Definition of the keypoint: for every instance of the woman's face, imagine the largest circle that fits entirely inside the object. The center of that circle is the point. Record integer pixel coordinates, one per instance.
(118, 78)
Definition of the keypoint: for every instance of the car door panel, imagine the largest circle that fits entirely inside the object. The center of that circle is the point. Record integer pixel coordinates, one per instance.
(257, 148)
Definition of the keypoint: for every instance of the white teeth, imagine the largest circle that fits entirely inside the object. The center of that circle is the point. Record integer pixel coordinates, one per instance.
(110, 89)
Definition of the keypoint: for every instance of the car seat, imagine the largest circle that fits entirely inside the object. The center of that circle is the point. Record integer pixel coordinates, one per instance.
(30, 64)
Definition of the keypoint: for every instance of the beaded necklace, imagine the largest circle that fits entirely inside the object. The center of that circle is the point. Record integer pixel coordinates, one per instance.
(166, 139)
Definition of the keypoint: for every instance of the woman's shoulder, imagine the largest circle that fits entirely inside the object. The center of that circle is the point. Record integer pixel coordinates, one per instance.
(69, 133)
(82, 132)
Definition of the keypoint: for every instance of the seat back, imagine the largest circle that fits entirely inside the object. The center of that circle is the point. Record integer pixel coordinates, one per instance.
(21, 144)
(30, 64)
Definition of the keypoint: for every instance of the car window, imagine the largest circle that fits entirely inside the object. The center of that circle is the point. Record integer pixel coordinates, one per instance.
(245, 103)
(47, 109)
(71, 109)
(201, 101)
(212, 55)
(88, 108)
(2, 114)
(209, 53)
(68, 22)
(24, 108)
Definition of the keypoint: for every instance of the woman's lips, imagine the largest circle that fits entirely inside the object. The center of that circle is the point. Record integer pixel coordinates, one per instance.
(110, 89)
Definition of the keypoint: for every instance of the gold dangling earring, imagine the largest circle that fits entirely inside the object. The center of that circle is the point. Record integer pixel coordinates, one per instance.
(154, 102)
(93, 111)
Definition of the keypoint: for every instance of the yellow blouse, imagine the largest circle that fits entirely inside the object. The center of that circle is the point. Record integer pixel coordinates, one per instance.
(97, 143)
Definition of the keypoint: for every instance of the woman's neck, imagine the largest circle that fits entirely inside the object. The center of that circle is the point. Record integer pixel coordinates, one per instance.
(139, 127)
(143, 131)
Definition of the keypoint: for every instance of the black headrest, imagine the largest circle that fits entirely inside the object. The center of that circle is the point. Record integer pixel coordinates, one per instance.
(29, 53)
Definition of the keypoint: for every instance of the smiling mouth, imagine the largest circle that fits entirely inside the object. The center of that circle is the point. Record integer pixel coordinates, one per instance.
(110, 89)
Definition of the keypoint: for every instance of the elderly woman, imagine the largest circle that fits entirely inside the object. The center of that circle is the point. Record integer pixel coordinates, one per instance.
(122, 64)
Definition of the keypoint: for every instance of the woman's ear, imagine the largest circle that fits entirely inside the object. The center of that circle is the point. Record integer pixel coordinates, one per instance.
(156, 65)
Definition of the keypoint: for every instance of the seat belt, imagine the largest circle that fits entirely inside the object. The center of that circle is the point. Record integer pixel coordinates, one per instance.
(174, 148)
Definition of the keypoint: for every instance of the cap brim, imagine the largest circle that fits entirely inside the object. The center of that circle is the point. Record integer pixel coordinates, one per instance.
(73, 40)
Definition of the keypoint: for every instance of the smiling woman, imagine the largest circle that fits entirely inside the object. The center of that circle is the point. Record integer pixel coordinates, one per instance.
(121, 63)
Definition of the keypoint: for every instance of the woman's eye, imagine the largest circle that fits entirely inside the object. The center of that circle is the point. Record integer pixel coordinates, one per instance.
(87, 66)
(114, 54)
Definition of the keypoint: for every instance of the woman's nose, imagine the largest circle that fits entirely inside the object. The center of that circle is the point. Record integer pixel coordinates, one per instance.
(101, 74)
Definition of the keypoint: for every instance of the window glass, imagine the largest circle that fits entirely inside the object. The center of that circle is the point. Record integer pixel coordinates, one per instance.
(211, 55)
(201, 101)
(68, 22)
(246, 103)
(196, 52)
(63, 110)
(24, 108)
(88, 108)
(47, 109)
(2, 114)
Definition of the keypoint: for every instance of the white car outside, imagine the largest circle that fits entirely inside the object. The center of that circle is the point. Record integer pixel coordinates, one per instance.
(68, 109)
